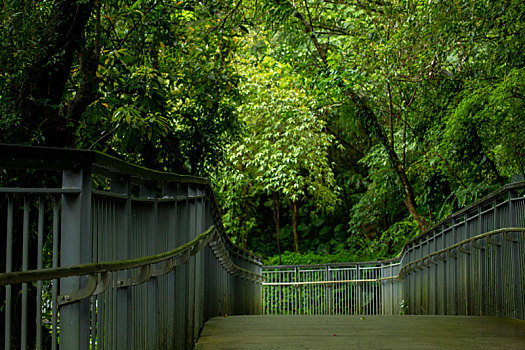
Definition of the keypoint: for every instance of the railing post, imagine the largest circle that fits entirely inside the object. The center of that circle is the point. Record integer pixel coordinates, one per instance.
(149, 191)
(122, 326)
(75, 249)
(170, 191)
(297, 291)
(518, 269)
(328, 292)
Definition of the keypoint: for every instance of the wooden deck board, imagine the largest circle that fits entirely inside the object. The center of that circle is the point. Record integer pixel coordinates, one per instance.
(362, 332)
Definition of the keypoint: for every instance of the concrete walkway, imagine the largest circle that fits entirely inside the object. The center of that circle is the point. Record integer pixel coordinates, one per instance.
(365, 332)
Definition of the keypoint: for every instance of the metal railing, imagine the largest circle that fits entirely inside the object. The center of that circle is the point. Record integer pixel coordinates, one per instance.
(471, 263)
(106, 255)
(367, 288)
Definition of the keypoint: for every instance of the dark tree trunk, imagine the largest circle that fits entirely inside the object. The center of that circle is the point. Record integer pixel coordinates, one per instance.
(87, 92)
(293, 208)
(372, 127)
(40, 95)
(275, 210)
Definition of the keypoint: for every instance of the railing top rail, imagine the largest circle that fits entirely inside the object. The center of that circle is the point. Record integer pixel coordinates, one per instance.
(459, 214)
(99, 267)
(192, 247)
(504, 231)
(494, 195)
(50, 158)
(17, 156)
(343, 264)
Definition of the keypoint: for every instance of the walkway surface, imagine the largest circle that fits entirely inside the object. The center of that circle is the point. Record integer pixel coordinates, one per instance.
(362, 332)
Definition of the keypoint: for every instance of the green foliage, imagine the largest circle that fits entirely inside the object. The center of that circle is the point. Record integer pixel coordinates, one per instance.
(151, 81)
(291, 258)
(445, 82)
(487, 126)
(321, 105)
(284, 149)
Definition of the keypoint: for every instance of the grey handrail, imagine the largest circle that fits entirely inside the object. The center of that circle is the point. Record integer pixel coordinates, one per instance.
(122, 237)
(50, 158)
(413, 265)
(111, 266)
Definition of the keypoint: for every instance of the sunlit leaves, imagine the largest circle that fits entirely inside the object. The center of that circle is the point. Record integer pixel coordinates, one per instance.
(285, 147)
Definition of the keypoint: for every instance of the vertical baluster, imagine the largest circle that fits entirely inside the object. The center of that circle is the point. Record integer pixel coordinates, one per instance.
(25, 260)
(313, 292)
(517, 269)
(101, 298)
(482, 266)
(40, 239)
(120, 235)
(359, 289)
(328, 288)
(54, 291)
(499, 264)
(348, 285)
(94, 238)
(275, 293)
(270, 292)
(294, 294)
(393, 300)
(8, 268)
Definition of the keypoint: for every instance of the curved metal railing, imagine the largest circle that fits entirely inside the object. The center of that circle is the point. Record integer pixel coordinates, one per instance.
(104, 254)
(471, 263)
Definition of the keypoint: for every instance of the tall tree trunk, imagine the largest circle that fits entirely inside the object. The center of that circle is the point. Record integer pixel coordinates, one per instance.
(293, 208)
(41, 92)
(372, 127)
(89, 57)
(275, 210)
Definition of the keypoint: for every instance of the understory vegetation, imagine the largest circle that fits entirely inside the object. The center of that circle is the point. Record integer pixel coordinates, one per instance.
(331, 130)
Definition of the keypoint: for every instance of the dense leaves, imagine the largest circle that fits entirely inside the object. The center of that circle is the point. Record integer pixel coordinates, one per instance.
(424, 101)
(149, 80)
(337, 129)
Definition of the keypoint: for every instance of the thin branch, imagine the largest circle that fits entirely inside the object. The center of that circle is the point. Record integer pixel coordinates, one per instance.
(220, 25)
(427, 144)
(136, 23)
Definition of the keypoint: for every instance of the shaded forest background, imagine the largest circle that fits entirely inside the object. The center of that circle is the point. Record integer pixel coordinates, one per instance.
(331, 130)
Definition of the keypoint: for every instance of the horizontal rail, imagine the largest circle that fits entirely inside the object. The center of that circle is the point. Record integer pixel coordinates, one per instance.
(330, 282)
(92, 268)
(343, 264)
(18, 156)
(448, 220)
(406, 268)
(101, 267)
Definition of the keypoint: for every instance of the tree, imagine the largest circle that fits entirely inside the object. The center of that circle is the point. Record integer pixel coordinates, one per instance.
(284, 151)
(149, 80)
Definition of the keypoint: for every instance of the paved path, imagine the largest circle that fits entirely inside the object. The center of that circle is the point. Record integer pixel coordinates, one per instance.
(367, 332)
